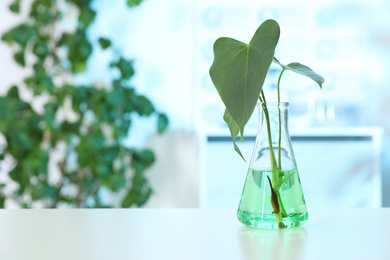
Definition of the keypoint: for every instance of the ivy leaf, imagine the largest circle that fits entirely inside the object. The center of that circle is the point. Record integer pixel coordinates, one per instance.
(234, 130)
(140, 189)
(132, 3)
(2, 200)
(41, 48)
(303, 70)
(19, 58)
(86, 17)
(239, 70)
(79, 49)
(104, 43)
(21, 34)
(40, 81)
(125, 67)
(15, 7)
(144, 157)
(42, 12)
(20, 175)
(37, 192)
(162, 123)
(13, 93)
(139, 192)
(142, 105)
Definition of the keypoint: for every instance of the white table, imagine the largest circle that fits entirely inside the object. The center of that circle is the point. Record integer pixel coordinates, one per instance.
(189, 234)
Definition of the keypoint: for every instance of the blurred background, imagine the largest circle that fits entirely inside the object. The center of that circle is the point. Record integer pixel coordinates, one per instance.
(340, 133)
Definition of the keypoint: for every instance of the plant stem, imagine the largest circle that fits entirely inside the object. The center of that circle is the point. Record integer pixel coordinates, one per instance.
(279, 116)
(275, 184)
(271, 150)
(278, 84)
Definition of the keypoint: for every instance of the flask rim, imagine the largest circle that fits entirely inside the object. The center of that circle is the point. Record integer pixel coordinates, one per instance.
(274, 104)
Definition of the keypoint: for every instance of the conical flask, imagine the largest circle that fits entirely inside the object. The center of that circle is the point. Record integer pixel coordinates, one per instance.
(272, 196)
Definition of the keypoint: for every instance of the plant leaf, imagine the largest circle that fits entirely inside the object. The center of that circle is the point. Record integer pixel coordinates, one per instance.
(15, 7)
(104, 42)
(239, 70)
(162, 123)
(234, 130)
(303, 70)
(132, 3)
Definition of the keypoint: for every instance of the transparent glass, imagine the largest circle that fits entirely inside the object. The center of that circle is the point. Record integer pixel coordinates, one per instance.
(272, 196)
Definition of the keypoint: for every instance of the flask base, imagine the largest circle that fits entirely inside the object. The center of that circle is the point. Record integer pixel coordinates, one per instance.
(268, 221)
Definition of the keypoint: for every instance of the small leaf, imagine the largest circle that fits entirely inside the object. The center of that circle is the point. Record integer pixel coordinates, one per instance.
(162, 123)
(79, 49)
(87, 15)
(37, 191)
(139, 192)
(234, 130)
(125, 67)
(104, 43)
(132, 3)
(19, 58)
(15, 7)
(8, 37)
(2, 200)
(145, 157)
(21, 34)
(13, 93)
(143, 106)
(79, 66)
(303, 70)
(41, 48)
(50, 191)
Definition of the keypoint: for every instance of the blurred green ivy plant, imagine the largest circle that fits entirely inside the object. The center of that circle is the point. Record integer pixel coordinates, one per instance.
(93, 157)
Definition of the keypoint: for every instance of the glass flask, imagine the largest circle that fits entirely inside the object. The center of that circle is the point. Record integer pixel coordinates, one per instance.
(272, 196)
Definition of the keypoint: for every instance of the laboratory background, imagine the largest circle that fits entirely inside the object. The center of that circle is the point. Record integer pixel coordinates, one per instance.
(340, 133)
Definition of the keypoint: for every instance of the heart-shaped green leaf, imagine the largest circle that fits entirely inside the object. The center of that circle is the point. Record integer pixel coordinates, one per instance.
(239, 70)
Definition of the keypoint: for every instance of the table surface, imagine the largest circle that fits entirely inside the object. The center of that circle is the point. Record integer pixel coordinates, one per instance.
(189, 234)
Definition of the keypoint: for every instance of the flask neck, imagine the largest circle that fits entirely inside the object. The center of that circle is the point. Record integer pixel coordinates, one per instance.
(273, 149)
(273, 118)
